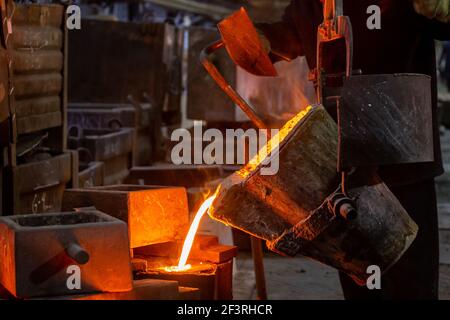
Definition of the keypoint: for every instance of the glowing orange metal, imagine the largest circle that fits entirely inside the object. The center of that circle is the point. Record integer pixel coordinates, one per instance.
(188, 242)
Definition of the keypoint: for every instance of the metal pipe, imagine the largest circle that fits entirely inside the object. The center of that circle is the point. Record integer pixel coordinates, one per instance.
(77, 253)
(258, 264)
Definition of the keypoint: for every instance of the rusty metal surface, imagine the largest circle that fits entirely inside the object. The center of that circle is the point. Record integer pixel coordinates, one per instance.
(244, 46)
(385, 119)
(28, 271)
(269, 205)
(306, 177)
(153, 214)
(38, 55)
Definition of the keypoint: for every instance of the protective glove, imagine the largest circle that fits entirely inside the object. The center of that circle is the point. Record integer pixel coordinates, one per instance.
(434, 9)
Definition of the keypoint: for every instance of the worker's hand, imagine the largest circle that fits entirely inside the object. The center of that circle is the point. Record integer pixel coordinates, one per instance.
(434, 9)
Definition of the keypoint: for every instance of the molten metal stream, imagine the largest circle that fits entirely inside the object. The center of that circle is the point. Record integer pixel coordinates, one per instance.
(187, 246)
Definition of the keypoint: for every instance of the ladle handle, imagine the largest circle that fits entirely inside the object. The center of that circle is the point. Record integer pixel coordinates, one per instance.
(225, 86)
(77, 253)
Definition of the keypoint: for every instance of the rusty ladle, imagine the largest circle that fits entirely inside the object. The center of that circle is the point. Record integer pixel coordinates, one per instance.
(244, 46)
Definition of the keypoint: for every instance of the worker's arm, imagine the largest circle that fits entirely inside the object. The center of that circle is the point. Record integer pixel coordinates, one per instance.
(285, 44)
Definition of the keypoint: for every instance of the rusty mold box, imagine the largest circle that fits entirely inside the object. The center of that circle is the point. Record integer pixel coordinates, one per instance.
(113, 147)
(38, 186)
(111, 116)
(39, 249)
(153, 214)
(91, 174)
(114, 116)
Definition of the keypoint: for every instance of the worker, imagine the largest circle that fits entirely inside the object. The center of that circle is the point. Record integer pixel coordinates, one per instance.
(403, 42)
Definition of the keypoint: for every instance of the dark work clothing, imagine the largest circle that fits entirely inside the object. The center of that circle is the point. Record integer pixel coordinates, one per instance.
(415, 276)
(445, 58)
(405, 44)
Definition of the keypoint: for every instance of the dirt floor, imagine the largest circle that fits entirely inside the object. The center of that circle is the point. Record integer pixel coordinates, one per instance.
(301, 278)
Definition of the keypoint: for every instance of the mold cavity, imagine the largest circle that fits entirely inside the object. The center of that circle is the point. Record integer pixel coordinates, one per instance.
(58, 219)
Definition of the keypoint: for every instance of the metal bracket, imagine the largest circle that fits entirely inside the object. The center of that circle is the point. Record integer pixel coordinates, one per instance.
(333, 35)
(336, 206)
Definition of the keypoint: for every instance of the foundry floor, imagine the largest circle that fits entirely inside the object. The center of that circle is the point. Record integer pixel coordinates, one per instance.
(301, 278)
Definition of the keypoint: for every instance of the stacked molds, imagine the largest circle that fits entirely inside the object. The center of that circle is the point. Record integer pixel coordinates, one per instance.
(38, 54)
(38, 166)
(112, 147)
(113, 116)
